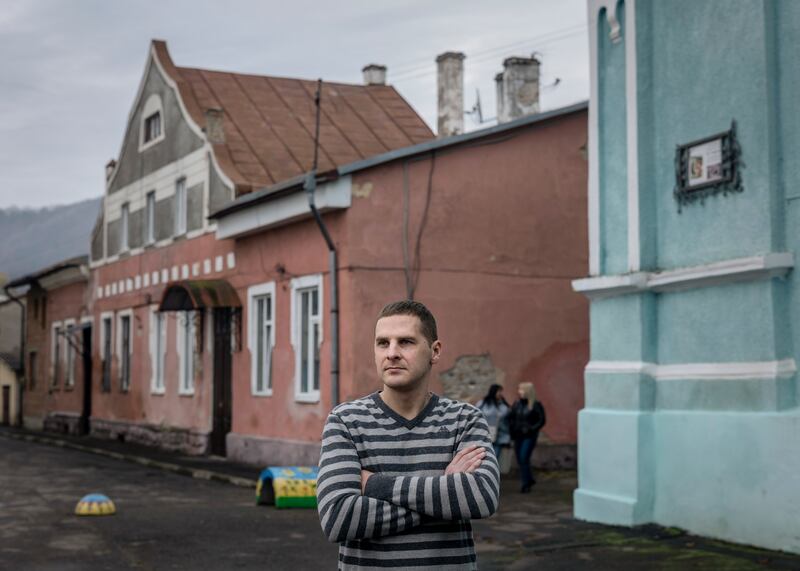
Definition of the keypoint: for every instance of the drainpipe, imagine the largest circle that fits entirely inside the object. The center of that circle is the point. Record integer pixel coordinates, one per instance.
(310, 186)
(21, 352)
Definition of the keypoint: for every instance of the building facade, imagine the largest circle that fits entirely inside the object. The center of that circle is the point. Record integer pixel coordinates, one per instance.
(58, 329)
(168, 295)
(691, 416)
(487, 229)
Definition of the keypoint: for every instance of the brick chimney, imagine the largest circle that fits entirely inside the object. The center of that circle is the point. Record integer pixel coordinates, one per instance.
(450, 93)
(110, 166)
(517, 88)
(374, 74)
(214, 129)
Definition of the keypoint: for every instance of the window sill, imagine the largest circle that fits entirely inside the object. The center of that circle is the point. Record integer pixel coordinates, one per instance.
(261, 394)
(311, 398)
(152, 142)
(186, 393)
(158, 392)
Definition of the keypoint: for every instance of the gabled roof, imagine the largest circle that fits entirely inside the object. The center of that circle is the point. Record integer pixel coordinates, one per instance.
(65, 265)
(280, 190)
(268, 122)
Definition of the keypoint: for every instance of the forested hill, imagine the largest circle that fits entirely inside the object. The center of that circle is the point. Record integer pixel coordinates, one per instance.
(32, 239)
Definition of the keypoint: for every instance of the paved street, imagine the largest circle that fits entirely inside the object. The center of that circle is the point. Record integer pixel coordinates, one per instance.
(169, 521)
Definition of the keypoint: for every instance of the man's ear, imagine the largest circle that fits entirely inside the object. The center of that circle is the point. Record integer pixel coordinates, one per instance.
(436, 351)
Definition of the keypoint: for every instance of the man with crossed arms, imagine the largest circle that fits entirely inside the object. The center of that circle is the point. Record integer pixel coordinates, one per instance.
(403, 471)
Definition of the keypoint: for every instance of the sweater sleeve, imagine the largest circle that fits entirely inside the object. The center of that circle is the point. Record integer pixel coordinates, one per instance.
(457, 496)
(344, 513)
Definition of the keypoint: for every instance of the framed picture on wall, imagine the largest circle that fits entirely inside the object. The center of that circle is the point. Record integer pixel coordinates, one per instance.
(707, 166)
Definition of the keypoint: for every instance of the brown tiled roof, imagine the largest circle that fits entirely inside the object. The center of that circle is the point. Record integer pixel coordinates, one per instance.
(269, 121)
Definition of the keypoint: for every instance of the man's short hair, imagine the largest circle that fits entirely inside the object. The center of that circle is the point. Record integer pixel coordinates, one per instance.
(418, 310)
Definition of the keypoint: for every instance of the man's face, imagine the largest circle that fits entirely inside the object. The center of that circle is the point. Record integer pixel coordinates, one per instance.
(403, 356)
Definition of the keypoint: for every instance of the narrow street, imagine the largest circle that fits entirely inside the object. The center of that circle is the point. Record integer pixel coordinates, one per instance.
(163, 521)
(169, 521)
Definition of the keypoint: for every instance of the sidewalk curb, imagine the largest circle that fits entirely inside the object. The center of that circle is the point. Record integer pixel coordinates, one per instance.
(199, 474)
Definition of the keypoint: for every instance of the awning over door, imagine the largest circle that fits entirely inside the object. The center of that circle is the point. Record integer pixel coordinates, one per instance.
(188, 295)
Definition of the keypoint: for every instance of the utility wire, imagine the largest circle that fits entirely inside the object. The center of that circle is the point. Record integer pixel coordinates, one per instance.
(428, 68)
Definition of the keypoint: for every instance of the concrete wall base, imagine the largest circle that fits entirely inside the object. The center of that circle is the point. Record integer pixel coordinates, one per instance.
(260, 451)
(169, 438)
(61, 422)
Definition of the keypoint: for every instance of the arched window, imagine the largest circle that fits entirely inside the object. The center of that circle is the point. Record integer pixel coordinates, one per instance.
(151, 128)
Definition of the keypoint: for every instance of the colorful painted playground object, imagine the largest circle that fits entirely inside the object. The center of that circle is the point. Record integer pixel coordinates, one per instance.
(95, 504)
(288, 487)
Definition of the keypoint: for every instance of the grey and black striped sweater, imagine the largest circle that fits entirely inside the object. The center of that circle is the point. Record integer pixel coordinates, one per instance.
(412, 515)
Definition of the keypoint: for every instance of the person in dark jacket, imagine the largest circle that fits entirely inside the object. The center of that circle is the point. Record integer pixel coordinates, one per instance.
(495, 410)
(526, 419)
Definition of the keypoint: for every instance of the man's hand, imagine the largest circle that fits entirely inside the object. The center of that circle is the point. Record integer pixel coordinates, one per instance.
(466, 460)
(365, 474)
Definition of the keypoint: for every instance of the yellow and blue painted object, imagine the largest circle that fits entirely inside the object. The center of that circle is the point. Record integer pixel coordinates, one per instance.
(95, 504)
(288, 487)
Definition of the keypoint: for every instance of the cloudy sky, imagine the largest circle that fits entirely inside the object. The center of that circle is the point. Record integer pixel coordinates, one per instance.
(70, 68)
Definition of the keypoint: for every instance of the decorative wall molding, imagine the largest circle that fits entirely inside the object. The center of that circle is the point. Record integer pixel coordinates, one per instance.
(760, 267)
(730, 371)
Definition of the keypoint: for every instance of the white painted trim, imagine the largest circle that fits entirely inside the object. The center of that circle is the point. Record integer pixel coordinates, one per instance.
(132, 320)
(632, 137)
(290, 208)
(760, 267)
(297, 284)
(727, 371)
(254, 291)
(153, 332)
(594, 130)
(152, 105)
(610, 286)
(69, 354)
(180, 335)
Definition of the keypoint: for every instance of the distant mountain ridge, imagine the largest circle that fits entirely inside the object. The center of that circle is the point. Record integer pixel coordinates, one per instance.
(34, 238)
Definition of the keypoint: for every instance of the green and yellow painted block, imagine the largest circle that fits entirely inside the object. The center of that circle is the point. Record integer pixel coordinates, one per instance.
(288, 487)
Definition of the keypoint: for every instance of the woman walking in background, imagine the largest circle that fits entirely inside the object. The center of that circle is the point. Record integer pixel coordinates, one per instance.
(526, 420)
(495, 409)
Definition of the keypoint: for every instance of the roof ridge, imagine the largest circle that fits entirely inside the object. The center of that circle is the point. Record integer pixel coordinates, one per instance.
(205, 69)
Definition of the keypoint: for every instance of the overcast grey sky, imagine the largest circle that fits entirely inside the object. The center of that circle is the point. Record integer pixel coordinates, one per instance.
(70, 68)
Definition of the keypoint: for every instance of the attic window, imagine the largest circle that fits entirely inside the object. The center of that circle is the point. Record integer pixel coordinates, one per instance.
(151, 126)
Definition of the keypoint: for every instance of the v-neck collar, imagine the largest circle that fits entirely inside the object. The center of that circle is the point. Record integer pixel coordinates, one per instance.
(400, 419)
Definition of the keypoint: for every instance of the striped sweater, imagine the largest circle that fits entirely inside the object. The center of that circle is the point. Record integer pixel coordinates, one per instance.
(411, 515)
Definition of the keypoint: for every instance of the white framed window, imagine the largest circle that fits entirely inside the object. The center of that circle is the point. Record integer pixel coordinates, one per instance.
(69, 353)
(106, 339)
(124, 347)
(158, 342)
(185, 343)
(150, 218)
(180, 206)
(56, 352)
(307, 335)
(123, 227)
(261, 336)
(151, 127)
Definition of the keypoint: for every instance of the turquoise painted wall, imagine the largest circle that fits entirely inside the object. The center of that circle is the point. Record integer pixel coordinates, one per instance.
(710, 75)
(718, 456)
(612, 151)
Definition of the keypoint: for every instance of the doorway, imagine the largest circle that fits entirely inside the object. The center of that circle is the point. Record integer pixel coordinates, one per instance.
(86, 408)
(223, 409)
(6, 420)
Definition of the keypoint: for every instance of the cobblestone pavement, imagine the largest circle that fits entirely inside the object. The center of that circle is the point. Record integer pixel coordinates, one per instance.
(168, 521)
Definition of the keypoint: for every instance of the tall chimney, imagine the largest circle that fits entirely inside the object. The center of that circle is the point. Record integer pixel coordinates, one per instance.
(450, 91)
(374, 74)
(110, 166)
(214, 129)
(517, 88)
